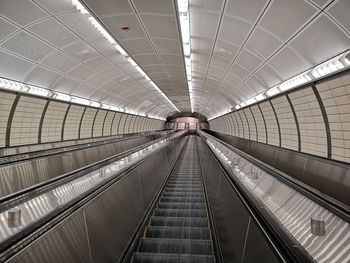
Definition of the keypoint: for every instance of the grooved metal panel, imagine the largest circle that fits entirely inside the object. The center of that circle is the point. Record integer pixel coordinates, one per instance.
(108, 123)
(312, 128)
(71, 126)
(335, 94)
(271, 123)
(53, 121)
(26, 120)
(98, 124)
(289, 135)
(121, 123)
(87, 123)
(115, 123)
(6, 101)
(246, 132)
(239, 124)
(251, 122)
(260, 124)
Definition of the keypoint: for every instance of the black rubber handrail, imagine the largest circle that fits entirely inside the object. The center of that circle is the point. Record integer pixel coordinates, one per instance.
(214, 233)
(22, 239)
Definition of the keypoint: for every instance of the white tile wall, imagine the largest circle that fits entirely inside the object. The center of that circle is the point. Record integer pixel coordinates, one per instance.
(98, 125)
(108, 123)
(335, 95)
(121, 124)
(271, 123)
(251, 123)
(259, 123)
(238, 124)
(311, 124)
(87, 122)
(26, 121)
(131, 124)
(288, 128)
(246, 132)
(127, 124)
(115, 123)
(6, 101)
(231, 124)
(71, 126)
(53, 121)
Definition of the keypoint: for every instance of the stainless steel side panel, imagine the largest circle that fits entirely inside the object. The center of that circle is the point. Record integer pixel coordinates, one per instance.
(101, 229)
(14, 178)
(236, 230)
(113, 216)
(67, 240)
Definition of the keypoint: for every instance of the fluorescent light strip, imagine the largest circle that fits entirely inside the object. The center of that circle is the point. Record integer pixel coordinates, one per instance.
(184, 17)
(324, 69)
(111, 40)
(16, 86)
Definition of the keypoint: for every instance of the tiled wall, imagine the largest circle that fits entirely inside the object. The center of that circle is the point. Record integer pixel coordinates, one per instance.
(335, 95)
(39, 120)
(53, 121)
(98, 125)
(6, 102)
(321, 116)
(26, 121)
(286, 120)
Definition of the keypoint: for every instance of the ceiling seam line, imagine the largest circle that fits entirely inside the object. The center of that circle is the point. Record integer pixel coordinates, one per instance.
(152, 44)
(282, 46)
(240, 49)
(277, 50)
(223, 8)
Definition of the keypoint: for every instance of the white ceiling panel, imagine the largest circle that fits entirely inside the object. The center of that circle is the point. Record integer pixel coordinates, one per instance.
(22, 12)
(13, 67)
(284, 17)
(245, 9)
(322, 40)
(6, 28)
(340, 11)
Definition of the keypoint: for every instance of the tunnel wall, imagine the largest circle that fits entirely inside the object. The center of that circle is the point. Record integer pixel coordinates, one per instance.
(314, 119)
(26, 119)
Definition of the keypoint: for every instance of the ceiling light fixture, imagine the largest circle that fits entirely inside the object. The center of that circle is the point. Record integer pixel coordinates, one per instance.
(79, 6)
(184, 16)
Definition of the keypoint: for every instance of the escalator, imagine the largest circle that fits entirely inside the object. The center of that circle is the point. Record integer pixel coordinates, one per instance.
(179, 228)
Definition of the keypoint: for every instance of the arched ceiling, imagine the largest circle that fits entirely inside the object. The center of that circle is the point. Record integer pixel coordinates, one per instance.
(239, 48)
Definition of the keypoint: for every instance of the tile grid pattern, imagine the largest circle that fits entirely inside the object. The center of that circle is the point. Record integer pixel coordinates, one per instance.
(335, 97)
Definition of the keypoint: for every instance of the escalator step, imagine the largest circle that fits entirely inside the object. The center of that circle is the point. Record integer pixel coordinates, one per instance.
(178, 221)
(176, 246)
(180, 213)
(181, 205)
(182, 194)
(178, 232)
(182, 199)
(171, 258)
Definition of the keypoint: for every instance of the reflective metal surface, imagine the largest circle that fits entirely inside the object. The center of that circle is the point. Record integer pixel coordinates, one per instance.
(21, 175)
(45, 204)
(292, 209)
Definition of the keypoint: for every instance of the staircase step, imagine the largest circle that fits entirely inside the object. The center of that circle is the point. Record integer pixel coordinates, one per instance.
(171, 258)
(176, 246)
(178, 232)
(181, 205)
(180, 213)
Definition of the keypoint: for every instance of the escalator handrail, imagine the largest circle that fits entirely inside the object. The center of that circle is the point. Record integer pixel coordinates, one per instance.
(33, 232)
(279, 239)
(43, 186)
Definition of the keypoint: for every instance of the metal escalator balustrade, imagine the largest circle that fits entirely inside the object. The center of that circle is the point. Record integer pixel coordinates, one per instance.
(17, 217)
(319, 232)
(179, 229)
